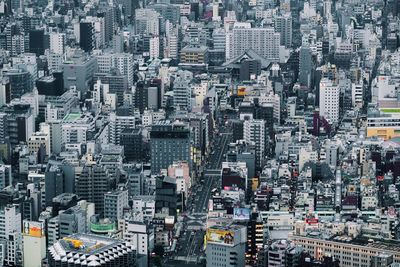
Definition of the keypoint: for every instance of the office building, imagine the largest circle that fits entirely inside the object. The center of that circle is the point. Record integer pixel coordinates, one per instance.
(132, 140)
(117, 125)
(166, 196)
(57, 43)
(20, 82)
(92, 184)
(87, 40)
(34, 243)
(37, 42)
(114, 204)
(264, 41)
(329, 94)
(226, 246)
(5, 176)
(283, 25)
(78, 72)
(147, 21)
(174, 139)
(182, 94)
(254, 132)
(305, 66)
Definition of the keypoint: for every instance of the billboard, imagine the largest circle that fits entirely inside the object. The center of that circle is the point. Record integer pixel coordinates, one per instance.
(220, 236)
(241, 214)
(35, 229)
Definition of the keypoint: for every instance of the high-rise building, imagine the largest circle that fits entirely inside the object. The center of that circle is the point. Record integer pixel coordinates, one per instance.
(329, 94)
(173, 138)
(37, 42)
(92, 184)
(57, 43)
(34, 243)
(91, 250)
(87, 40)
(147, 21)
(166, 196)
(5, 176)
(132, 140)
(118, 123)
(78, 72)
(264, 41)
(254, 132)
(20, 82)
(114, 204)
(226, 246)
(283, 25)
(306, 66)
(182, 94)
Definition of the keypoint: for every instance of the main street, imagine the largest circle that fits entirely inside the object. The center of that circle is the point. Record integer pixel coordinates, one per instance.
(190, 244)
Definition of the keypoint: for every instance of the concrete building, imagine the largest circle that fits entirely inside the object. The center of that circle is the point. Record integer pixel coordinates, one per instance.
(174, 139)
(147, 21)
(92, 184)
(329, 101)
(117, 125)
(264, 41)
(254, 132)
(226, 246)
(283, 25)
(182, 94)
(34, 243)
(114, 204)
(78, 72)
(57, 43)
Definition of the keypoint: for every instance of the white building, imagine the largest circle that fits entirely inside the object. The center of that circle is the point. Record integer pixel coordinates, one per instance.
(329, 101)
(254, 132)
(57, 43)
(264, 41)
(117, 125)
(155, 47)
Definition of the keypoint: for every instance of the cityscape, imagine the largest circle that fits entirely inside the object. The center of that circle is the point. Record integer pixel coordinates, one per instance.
(200, 133)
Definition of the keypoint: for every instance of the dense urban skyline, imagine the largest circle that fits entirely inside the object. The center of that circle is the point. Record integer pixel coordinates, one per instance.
(216, 133)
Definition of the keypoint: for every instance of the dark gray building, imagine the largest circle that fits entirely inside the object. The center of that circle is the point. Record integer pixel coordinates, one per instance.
(92, 184)
(132, 141)
(169, 142)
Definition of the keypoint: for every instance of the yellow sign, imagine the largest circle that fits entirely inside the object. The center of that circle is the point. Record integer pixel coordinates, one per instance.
(35, 229)
(241, 91)
(220, 236)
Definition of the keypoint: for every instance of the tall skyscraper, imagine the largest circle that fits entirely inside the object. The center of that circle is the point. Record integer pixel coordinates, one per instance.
(169, 141)
(329, 94)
